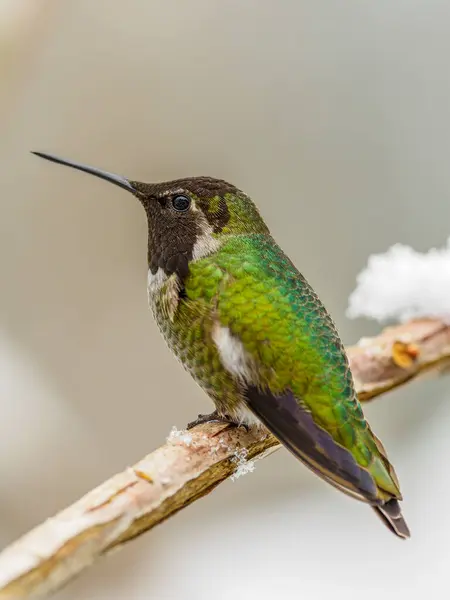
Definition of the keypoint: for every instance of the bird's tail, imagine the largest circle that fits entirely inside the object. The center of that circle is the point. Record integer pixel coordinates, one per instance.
(391, 515)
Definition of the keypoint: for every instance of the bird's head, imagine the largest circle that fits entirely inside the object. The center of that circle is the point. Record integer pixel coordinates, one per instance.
(187, 218)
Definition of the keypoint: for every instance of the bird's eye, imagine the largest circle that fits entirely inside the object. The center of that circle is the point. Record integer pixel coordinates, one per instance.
(181, 203)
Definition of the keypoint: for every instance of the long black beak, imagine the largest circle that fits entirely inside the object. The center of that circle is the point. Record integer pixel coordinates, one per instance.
(111, 177)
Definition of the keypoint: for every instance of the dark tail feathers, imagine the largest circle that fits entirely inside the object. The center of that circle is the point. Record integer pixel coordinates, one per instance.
(391, 515)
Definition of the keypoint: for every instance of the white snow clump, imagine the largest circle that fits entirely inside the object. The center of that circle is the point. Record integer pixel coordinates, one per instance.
(403, 284)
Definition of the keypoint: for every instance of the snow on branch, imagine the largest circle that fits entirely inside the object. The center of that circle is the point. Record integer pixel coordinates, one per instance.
(188, 466)
(403, 284)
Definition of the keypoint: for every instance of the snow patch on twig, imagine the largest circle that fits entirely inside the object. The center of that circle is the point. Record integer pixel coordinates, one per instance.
(180, 435)
(403, 284)
(243, 466)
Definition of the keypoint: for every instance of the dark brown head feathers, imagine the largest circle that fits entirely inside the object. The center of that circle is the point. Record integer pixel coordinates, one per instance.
(201, 187)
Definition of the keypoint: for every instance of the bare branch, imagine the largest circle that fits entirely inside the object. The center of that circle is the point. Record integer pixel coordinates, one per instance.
(189, 466)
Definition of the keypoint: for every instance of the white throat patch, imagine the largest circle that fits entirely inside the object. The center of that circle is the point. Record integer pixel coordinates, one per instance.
(155, 281)
(204, 245)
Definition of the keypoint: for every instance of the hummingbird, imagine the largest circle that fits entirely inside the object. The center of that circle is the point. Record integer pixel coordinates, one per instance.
(252, 332)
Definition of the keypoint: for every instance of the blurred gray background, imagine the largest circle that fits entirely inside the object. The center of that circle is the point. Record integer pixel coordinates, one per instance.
(335, 116)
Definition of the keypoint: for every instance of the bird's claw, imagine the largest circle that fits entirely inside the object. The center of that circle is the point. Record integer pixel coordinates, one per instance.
(215, 417)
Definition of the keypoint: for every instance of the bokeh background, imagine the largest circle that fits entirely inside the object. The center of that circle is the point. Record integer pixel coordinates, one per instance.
(335, 116)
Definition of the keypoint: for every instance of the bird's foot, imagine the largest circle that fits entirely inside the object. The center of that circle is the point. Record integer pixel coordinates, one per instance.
(215, 417)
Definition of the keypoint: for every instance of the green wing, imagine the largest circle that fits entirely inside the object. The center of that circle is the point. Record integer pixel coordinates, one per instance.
(302, 388)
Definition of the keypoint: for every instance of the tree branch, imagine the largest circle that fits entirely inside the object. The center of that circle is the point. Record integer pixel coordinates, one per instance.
(190, 465)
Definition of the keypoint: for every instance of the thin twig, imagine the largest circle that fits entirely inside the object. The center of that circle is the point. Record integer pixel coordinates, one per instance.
(189, 466)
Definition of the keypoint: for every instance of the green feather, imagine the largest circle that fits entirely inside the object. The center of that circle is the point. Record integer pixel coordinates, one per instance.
(250, 286)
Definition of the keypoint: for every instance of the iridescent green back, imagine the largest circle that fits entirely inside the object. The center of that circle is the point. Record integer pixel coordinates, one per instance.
(250, 286)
